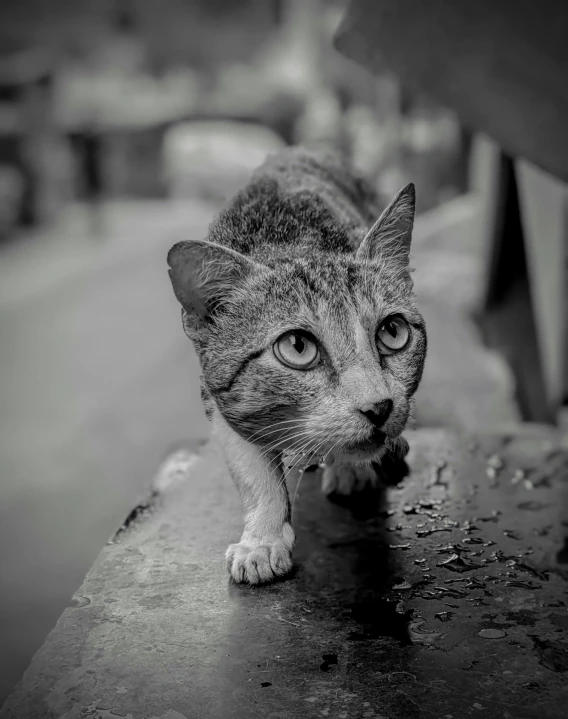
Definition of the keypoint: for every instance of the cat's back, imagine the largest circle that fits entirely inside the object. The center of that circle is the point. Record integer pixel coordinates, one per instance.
(298, 200)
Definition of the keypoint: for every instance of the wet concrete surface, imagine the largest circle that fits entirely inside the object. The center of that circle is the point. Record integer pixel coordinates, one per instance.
(446, 596)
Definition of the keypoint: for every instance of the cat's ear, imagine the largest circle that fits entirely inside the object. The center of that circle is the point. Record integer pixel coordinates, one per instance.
(203, 274)
(392, 232)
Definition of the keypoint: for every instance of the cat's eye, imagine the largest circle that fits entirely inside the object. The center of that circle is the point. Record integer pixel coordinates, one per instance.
(297, 350)
(393, 335)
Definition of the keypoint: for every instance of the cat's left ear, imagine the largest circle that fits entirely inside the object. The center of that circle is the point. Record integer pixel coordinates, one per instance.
(392, 232)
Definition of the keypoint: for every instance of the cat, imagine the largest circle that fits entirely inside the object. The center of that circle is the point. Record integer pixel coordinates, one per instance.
(301, 309)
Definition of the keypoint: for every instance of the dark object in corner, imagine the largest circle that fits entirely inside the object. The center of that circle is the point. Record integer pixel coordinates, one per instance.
(501, 64)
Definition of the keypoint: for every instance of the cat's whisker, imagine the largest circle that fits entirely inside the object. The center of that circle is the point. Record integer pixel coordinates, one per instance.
(314, 452)
(271, 429)
(265, 430)
(277, 440)
(302, 451)
(274, 445)
(287, 437)
(329, 451)
(318, 448)
(298, 448)
(299, 445)
(293, 504)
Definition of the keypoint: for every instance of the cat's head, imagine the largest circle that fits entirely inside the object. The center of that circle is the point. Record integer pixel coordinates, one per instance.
(316, 353)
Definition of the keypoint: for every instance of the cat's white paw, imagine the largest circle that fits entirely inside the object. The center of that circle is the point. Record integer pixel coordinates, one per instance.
(345, 479)
(255, 561)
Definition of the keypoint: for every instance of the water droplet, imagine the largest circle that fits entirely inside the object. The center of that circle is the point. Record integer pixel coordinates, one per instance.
(453, 592)
(472, 540)
(493, 517)
(474, 583)
(455, 563)
(428, 503)
(450, 549)
(468, 526)
(403, 585)
(419, 636)
(444, 616)
(80, 601)
(432, 530)
(492, 633)
(532, 505)
(523, 584)
(477, 602)
(529, 569)
(495, 462)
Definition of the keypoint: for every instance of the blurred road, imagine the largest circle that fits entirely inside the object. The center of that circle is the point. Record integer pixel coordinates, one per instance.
(97, 381)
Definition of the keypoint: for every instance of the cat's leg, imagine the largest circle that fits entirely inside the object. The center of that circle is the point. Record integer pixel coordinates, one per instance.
(341, 480)
(265, 549)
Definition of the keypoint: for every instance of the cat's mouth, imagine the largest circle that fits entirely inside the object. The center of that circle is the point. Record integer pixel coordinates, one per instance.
(366, 447)
(363, 451)
(375, 441)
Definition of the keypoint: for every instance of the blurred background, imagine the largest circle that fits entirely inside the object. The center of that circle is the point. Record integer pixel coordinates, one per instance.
(124, 125)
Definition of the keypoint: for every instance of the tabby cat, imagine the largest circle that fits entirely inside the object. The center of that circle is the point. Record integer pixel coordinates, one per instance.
(310, 343)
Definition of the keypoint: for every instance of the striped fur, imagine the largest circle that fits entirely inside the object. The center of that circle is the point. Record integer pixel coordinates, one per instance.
(293, 251)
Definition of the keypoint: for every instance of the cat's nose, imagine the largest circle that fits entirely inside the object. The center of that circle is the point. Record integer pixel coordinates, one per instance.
(377, 413)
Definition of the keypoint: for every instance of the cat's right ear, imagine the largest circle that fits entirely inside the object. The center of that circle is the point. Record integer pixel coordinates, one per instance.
(392, 232)
(203, 274)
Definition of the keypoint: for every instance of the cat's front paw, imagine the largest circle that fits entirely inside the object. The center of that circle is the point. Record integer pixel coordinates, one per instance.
(259, 561)
(344, 480)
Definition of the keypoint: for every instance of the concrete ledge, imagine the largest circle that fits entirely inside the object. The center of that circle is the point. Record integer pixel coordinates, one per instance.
(446, 598)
